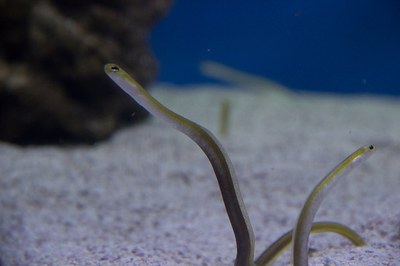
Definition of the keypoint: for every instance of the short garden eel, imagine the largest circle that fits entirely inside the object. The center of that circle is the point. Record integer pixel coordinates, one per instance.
(310, 208)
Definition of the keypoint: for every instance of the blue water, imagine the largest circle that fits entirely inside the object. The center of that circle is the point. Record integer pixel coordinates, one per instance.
(344, 46)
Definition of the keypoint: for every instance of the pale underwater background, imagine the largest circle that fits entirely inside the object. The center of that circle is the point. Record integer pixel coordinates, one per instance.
(148, 196)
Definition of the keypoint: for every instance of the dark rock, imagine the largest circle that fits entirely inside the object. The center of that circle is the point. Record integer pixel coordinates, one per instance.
(52, 85)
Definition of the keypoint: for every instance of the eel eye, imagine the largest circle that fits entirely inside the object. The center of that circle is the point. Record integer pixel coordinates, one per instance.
(114, 68)
(371, 147)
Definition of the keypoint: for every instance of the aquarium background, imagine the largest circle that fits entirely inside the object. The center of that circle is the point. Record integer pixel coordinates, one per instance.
(332, 46)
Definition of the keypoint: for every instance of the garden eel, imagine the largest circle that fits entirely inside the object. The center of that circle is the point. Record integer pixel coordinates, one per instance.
(224, 117)
(310, 208)
(230, 188)
(212, 148)
(274, 250)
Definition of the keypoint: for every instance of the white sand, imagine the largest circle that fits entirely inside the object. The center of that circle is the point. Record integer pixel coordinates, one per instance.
(149, 197)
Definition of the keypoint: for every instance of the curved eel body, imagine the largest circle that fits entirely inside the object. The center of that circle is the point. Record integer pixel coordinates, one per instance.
(212, 148)
(310, 208)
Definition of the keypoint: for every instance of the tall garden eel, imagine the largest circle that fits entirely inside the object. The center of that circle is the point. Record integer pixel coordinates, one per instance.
(229, 185)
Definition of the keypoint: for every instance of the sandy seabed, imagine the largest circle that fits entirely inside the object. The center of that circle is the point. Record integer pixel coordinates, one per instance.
(148, 195)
